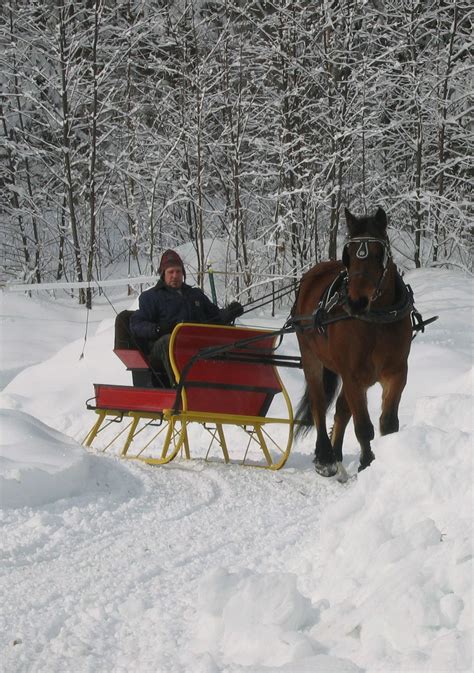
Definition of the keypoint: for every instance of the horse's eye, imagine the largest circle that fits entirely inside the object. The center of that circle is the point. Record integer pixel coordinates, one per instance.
(380, 254)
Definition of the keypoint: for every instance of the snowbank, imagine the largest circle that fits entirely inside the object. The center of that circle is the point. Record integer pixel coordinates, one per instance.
(260, 621)
(396, 554)
(38, 464)
(243, 612)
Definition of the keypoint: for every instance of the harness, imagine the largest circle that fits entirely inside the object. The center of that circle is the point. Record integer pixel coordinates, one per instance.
(334, 307)
(335, 299)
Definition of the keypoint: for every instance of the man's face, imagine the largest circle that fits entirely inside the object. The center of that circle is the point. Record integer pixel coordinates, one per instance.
(174, 276)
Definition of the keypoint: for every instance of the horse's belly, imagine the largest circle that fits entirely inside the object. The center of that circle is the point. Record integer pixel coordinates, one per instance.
(352, 356)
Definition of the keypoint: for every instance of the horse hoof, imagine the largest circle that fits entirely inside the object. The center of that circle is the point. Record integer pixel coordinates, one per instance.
(341, 475)
(362, 466)
(325, 469)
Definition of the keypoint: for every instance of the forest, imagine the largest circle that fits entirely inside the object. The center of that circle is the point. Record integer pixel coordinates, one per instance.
(131, 126)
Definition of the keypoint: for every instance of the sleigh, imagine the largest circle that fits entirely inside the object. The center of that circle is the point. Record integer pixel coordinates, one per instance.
(228, 391)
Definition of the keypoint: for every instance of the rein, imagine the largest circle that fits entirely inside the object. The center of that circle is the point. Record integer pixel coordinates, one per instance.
(274, 296)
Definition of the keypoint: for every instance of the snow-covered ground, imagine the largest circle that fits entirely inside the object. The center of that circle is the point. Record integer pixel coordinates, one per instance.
(113, 566)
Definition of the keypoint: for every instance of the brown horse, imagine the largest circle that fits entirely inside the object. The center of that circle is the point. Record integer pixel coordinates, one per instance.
(353, 323)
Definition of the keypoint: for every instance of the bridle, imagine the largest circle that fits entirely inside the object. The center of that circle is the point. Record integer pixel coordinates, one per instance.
(363, 253)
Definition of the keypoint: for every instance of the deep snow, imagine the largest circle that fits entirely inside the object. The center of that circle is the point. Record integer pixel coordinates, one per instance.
(113, 566)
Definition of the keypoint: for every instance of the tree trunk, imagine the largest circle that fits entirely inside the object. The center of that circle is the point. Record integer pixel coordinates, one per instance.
(442, 131)
(66, 129)
(418, 204)
(93, 157)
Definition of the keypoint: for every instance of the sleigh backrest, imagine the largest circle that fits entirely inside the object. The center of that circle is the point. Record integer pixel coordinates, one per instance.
(222, 369)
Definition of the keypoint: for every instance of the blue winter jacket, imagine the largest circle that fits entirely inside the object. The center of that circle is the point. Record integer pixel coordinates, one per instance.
(161, 307)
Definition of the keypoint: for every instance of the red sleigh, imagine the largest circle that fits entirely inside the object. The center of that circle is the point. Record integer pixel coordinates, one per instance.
(226, 377)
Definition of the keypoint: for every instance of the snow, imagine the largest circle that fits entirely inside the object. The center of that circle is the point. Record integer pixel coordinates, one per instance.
(37, 464)
(112, 566)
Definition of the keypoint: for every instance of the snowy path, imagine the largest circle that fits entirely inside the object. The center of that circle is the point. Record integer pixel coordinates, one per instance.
(106, 570)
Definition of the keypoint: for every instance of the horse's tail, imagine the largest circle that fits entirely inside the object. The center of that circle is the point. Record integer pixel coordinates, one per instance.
(303, 415)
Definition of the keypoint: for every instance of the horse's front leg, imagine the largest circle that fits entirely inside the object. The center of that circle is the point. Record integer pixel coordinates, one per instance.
(341, 419)
(392, 387)
(356, 397)
(324, 458)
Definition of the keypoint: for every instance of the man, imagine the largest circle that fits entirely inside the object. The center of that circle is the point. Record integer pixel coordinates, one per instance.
(172, 301)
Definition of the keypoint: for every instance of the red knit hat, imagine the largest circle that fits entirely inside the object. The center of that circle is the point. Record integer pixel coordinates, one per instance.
(170, 258)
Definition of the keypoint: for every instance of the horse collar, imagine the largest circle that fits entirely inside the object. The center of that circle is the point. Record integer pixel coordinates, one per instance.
(388, 314)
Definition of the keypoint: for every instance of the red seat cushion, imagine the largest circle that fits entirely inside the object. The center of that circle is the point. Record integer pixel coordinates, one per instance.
(131, 398)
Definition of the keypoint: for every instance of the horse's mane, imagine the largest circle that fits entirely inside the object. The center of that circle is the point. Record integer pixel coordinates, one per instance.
(311, 279)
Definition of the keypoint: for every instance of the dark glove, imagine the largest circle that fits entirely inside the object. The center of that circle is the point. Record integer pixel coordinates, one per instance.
(231, 312)
(236, 309)
(165, 327)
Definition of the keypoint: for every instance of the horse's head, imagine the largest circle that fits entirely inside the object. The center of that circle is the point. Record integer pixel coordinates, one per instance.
(366, 256)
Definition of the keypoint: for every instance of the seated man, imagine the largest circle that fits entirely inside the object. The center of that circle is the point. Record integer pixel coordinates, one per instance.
(172, 301)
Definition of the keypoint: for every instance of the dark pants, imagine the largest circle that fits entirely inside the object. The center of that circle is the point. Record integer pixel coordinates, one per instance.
(159, 356)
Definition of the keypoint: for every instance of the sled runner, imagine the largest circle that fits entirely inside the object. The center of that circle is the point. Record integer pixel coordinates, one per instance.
(227, 382)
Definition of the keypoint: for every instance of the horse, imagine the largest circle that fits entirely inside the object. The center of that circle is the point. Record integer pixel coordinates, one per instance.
(353, 327)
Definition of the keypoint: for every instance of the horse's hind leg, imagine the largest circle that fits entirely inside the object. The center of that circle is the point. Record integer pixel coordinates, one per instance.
(392, 387)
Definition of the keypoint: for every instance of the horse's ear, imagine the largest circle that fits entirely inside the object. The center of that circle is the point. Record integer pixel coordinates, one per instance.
(381, 220)
(351, 222)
